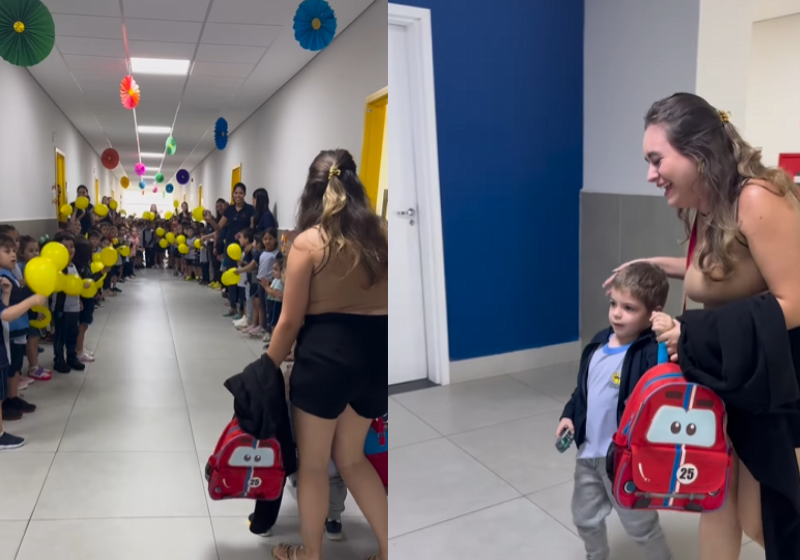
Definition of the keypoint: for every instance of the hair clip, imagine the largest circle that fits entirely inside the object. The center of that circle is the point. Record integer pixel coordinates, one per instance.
(334, 171)
(725, 116)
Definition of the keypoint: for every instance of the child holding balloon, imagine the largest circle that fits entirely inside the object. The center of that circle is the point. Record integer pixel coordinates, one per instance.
(28, 250)
(92, 272)
(67, 316)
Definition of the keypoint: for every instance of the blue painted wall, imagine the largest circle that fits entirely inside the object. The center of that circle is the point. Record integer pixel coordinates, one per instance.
(509, 104)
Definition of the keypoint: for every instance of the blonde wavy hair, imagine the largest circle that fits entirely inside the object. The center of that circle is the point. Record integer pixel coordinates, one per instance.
(727, 163)
(335, 200)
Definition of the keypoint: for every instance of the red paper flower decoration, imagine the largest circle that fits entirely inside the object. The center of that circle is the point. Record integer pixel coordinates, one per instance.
(140, 169)
(110, 158)
(129, 93)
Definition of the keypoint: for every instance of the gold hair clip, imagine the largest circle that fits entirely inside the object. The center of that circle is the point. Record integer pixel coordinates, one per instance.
(334, 171)
(725, 116)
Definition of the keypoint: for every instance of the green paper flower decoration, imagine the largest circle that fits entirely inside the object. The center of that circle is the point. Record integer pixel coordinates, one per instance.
(171, 146)
(27, 32)
(159, 177)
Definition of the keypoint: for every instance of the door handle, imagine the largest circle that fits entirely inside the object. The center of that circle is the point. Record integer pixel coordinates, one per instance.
(410, 213)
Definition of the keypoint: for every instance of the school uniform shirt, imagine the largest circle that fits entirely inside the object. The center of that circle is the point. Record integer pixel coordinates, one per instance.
(237, 220)
(65, 303)
(277, 284)
(266, 262)
(192, 254)
(5, 355)
(18, 328)
(266, 221)
(253, 255)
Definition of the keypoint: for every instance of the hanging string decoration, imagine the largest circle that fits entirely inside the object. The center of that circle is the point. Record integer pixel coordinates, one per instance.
(182, 177)
(172, 146)
(221, 133)
(27, 32)
(129, 93)
(140, 169)
(314, 24)
(110, 158)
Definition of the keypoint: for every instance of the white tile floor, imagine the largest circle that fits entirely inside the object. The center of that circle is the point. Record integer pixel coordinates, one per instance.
(475, 474)
(112, 469)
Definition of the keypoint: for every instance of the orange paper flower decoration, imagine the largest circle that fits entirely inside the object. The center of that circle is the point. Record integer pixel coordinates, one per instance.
(129, 93)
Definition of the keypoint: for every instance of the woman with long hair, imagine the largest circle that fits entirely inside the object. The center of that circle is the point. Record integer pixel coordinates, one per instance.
(263, 218)
(336, 306)
(743, 223)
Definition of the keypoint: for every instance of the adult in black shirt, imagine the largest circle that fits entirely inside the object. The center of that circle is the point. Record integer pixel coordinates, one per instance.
(263, 219)
(83, 216)
(235, 218)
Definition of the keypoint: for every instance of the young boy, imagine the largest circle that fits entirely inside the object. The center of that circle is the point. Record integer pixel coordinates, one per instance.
(192, 259)
(67, 317)
(610, 368)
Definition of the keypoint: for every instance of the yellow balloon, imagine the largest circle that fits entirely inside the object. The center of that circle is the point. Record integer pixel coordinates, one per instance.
(41, 310)
(115, 241)
(81, 203)
(181, 239)
(170, 238)
(176, 203)
(113, 205)
(230, 277)
(57, 254)
(96, 258)
(125, 251)
(73, 285)
(235, 251)
(183, 248)
(163, 243)
(168, 216)
(146, 216)
(97, 266)
(60, 281)
(40, 276)
(91, 291)
(160, 232)
(109, 256)
(198, 244)
(66, 210)
(197, 214)
(123, 212)
(101, 210)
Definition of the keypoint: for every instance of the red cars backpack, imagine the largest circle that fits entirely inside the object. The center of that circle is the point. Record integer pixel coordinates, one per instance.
(670, 451)
(244, 467)
(376, 448)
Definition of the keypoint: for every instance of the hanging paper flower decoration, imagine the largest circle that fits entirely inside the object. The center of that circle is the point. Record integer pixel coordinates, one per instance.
(125, 182)
(221, 133)
(140, 169)
(314, 25)
(142, 185)
(129, 93)
(159, 177)
(155, 189)
(170, 188)
(27, 32)
(110, 158)
(182, 176)
(172, 146)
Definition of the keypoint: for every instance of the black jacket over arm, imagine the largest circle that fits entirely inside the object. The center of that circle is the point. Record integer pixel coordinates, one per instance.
(744, 353)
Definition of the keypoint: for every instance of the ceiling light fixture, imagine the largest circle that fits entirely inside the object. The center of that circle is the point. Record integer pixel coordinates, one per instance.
(152, 155)
(154, 129)
(159, 66)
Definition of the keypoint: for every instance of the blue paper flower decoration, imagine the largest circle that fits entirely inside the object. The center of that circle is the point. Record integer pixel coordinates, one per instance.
(221, 133)
(182, 176)
(170, 188)
(314, 25)
(142, 185)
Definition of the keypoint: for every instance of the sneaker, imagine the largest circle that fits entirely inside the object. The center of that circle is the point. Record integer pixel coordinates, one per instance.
(76, 365)
(241, 323)
(10, 413)
(40, 374)
(256, 333)
(24, 382)
(61, 367)
(333, 530)
(267, 338)
(229, 313)
(21, 404)
(260, 531)
(86, 358)
(7, 441)
(238, 317)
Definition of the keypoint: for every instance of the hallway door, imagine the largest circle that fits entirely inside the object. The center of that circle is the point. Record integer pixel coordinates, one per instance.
(236, 177)
(407, 339)
(61, 183)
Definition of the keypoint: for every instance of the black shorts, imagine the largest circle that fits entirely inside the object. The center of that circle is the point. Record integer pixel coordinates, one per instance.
(341, 360)
(17, 358)
(193, 262)
(87, 313)
(253, 290)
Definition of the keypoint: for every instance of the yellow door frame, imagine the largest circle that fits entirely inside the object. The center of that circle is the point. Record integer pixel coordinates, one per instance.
(200, 195)
(96, 190)
(375, 123)
(236, 177)
(61, 183)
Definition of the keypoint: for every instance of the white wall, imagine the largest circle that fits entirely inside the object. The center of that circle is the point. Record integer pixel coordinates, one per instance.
(773, 100)
(321, 108)
(27, 152)
(635, 52)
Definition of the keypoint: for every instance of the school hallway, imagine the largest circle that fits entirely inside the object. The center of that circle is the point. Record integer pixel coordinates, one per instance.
(113, 463)
(475, 474)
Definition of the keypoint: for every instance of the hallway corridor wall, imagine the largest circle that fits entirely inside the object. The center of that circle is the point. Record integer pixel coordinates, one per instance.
(29, 119)
(322, 107)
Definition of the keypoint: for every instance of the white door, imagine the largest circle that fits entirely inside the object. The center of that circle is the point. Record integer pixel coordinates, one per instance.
(407, 348)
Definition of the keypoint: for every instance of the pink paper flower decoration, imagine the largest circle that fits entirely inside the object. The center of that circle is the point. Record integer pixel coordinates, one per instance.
(140, 169)
(155, 189)
(129, 93)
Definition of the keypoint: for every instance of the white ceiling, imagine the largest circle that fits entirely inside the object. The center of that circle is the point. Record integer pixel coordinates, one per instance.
(242, 52)
(770, 9)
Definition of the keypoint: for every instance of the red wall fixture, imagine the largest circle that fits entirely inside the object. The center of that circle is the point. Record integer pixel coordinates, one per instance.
(790, 163)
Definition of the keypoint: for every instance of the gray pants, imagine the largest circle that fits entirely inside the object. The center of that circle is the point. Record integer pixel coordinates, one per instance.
(337, 497)
(593, 501)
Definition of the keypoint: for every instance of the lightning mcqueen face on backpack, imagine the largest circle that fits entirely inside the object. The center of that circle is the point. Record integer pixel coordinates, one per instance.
(670, 451)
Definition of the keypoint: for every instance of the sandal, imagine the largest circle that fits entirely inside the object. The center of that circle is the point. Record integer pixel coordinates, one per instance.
(288, 549)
